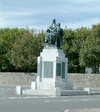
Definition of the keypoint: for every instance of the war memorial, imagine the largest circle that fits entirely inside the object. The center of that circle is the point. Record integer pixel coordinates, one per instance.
(52, 67)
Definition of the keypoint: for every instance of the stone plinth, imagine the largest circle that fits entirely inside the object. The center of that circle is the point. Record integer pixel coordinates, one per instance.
(47, 92)
(52, 73)
(52, 69)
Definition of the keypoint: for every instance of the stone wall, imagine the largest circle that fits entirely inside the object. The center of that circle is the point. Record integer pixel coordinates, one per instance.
(7, 78)
(85, 80)
(78, 80)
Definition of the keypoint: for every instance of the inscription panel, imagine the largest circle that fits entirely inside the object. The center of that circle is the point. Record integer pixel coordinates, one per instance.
(58, 69)
(48, 69)
(63, 70)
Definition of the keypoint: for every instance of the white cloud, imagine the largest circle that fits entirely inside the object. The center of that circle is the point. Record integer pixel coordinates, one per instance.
(39, 13)
(88, 23)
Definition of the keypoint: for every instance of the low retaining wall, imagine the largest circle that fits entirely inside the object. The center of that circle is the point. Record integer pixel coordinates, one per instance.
(78, 80)
(85, 80)
(9, 78)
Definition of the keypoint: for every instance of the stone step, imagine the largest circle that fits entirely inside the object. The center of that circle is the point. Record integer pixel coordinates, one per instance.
(73, 92)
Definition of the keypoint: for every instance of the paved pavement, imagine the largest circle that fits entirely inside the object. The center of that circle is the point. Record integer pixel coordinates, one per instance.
(9, 102)
(8, 90)
(83, 110)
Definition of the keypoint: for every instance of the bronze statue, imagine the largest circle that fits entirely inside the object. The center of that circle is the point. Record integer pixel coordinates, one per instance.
(53, 35)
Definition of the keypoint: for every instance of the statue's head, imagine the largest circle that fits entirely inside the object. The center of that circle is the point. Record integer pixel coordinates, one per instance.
(54, 20)
(58, 24)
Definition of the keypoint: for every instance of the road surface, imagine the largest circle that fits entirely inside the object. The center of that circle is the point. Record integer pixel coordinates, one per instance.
(9, 102)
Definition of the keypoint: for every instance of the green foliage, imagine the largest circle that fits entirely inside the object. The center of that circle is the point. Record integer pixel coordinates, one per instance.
(7, 38)
(69, 49)
(25, 51)
(80, 36)
(95, 31)
(90, 50)
(19, 48)
(72, 42)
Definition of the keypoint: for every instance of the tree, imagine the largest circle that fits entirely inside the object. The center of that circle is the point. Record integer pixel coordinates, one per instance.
(90, 50)
(25, 51)
(95, 31)
(69, 49)
(80, 36)
(90, 53)
(7, 38)
(72, 42)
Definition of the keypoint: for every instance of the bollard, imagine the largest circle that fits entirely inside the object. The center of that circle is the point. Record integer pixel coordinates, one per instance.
(88, 90)
(33, 85)
(18, 90)
(57, 91)
(66, 111)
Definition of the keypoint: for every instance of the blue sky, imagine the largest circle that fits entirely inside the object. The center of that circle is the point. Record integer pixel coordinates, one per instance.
(39, 13)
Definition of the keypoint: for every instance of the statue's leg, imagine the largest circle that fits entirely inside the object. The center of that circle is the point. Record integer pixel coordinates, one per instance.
(56, 41)
(50, 40)
(60, 41)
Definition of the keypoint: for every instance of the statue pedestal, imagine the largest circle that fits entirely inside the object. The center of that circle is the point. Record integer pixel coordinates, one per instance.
(52, 69)
(52, 73)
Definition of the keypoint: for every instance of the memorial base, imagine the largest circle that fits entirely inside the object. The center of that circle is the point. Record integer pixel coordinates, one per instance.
(52, 69)
(51, 73)
(43, 92)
